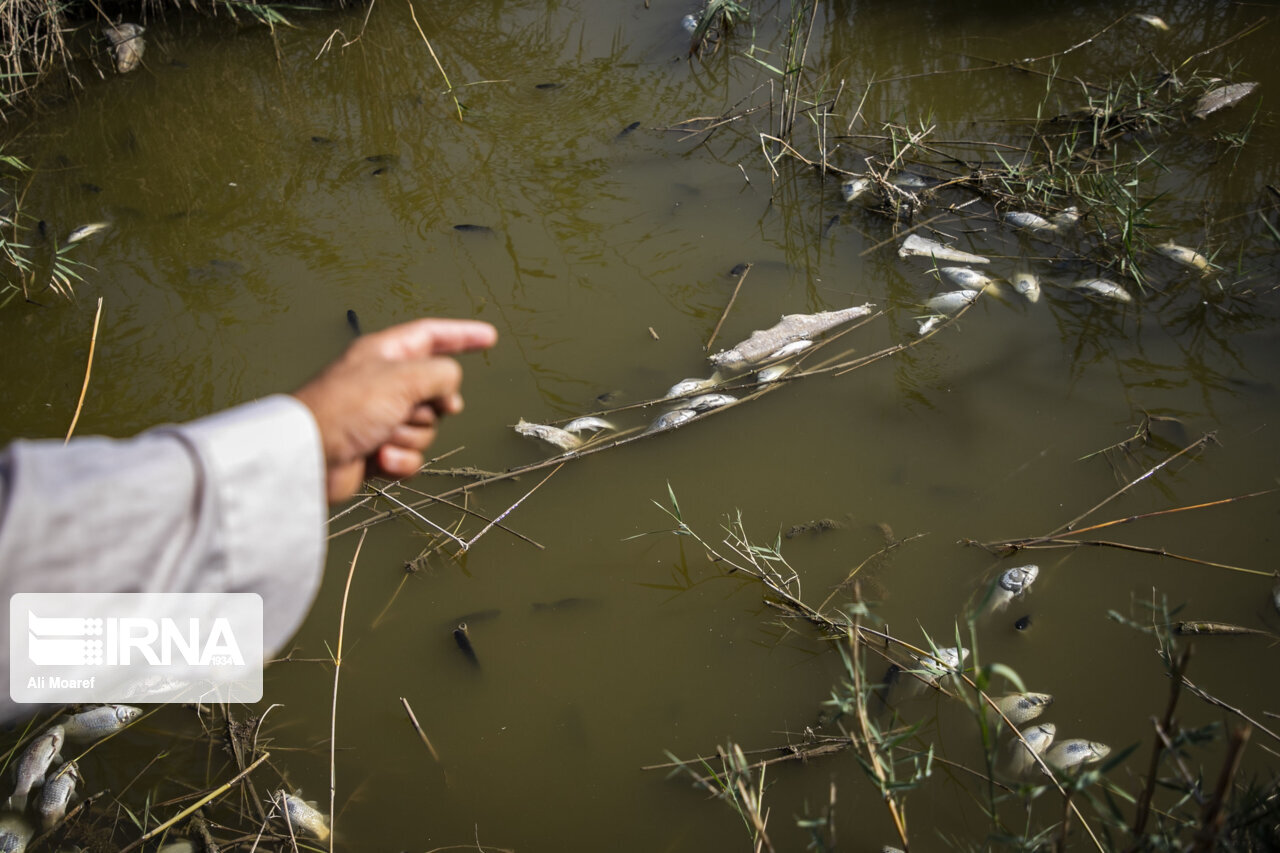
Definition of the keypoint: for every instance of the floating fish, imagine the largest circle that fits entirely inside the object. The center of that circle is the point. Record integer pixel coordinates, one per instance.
(588, 423)
(789, 350)
(942, 662)
(707, 402)
(792, 327)
(14, 833)
(1075, 752)
(462, 636)
(966, 278)
(911, 181)
(1021, 708)
(552, 435)
(126, 45)
(1218, 628)
(917, 245)
(689, 23)
(951, 301)
(772, 373)
(34, 763)
(59, 786)
(1066, 218)
(854, 187)
(84, 232)
(301, 815)
(1020, 763)
(691, 386)
(1027, 284)
(1152, 20)
(1181, 254)
(1102, 287)
(929, 324)
(1018, 580)
(671, 420)
(1028, 221)
(98, 722)
(1221, 98)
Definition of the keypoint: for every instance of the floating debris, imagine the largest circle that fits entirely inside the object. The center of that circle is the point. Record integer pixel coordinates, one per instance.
(84, 232)
(951, 301)
(126, 45)
(96, 723)
(1076, 752)
(691, 386)
(1221, 98)
(34, 762)
(1021, 708)
(966, 278)
(792, 327)
(707, 402)
(562, 439)
(1182, 255)
(1020, 763)
(1029, 221)
(59, 786)
(588, 423)
(302, 816)
(919, 246)
(772, 373)
(1152, 20)
(851, 189)
(1026, 283)
(671, 420)
(1102, 287)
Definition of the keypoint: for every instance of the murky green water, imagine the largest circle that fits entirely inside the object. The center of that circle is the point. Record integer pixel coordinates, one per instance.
(260, 186)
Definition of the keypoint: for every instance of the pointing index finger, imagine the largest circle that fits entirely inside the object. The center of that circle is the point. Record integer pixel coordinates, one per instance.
(432, 336)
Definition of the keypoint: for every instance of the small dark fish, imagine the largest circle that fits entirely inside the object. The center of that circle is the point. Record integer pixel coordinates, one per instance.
(463, 638)
(353, 320)
(831, 223)
(468, 228)
(607, 396)
(43, 228)
(571, 603)
(628, 130)
(322, 140)
(739, 269)
(381, 170)
(90, 188)
(549, 86)
(1024, 623)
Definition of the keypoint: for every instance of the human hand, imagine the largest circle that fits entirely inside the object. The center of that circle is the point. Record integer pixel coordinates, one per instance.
(378, 405)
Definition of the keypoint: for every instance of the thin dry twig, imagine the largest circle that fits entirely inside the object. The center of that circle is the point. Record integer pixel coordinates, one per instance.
(732, 298)
(337, 669)
(93, 342)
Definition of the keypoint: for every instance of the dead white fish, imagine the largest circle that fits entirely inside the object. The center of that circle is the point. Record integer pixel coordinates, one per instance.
(588, 423)
(562, 439)
(671, 420)
(1029, 221)
(1011, 584)
(1020, 762)
(1066, 218)
(1221, 98)
(1026, 283)
(790, 349)
(1075, 752)
(1020, 708)
(707, 402)
(966, 278)
(942, 662)
(84, 232)
(1152, 20)
(126, 45)
(301, 815)
(59, 787)
(921, 247)
(96, 723)
(691, 386)
(929, 324)
(772, 373)
(15, 832)
(34, 763)
(951, 301)
(792, 327)
(1182, 255)
(911, 181)
(851, 189)
(1102, 287)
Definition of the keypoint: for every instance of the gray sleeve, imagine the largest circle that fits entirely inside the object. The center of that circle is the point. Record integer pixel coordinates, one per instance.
(229, 503)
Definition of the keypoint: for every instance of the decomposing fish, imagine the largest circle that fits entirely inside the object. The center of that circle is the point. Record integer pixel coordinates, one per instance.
(1011, 584)
(772, 373)
(929, 324)
(126, 45)
(951, 301)
(689, 23)
(1020, 763)
(84, 232)
(789, 349)
(95, 723)
(854, 187)
(911, 181)
(707, 402)
(14, 833)
(1020, 708)
(792, 327)
(1221, 98)
(1152, 20)
(34, 763)
(1220, 628)
(818, 525)
(917, 245)
(462, 636)
(301, 815)
(588, 423)
(59, 786)
(671, 420)
(691, 386)
(1183, 255)
(1027, 284)
(1102, 287)
(1075, 752)
(1028, 221)
(966, 278)
(1066, 217)
(942, 662)
(552, 435)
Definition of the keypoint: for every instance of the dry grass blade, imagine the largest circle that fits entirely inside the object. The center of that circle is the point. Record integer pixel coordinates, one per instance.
(727, 308)
(88, 368)
(337, 669)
